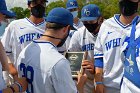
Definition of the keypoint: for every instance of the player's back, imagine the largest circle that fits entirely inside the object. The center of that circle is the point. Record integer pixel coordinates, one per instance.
(44, 68)
(19, 34)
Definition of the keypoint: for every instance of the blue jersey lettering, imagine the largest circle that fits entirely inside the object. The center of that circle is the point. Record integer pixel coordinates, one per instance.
(113, 43)
(88, 47)
(29, 37)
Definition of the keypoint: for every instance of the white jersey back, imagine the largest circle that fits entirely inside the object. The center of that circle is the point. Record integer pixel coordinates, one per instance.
(47, 70)
(107, 47)
(20, 33)
(128, 86)
(2, 82)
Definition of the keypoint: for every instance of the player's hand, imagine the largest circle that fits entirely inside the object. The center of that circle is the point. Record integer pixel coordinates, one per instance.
(99, 88)
(81, 81)
(23, 82)
(88, 65)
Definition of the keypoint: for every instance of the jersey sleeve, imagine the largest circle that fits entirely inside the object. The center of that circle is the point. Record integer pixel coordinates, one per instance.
(7, 40)
(62, 78)
(98, 49)
(74, 45)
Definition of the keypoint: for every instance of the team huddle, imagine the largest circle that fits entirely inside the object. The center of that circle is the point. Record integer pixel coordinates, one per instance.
(34, 61)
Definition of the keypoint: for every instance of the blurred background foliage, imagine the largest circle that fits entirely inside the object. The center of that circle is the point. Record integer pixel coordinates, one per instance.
(107, 7)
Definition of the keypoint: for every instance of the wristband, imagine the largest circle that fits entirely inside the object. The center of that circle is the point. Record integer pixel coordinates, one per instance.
(13, 90)
(20, 87)
(97, 83)
(0, 91)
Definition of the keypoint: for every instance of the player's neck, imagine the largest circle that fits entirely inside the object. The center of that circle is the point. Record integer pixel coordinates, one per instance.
(52, 40)
(36, 20)
(127, 19)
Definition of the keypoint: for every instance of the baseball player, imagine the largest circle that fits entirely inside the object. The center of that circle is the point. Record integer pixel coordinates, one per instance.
(130, 48)
(72, 6)
(84, 38)
(108, 64)
(3, 65)
(48, 71)
(20, 33)
(4, 13)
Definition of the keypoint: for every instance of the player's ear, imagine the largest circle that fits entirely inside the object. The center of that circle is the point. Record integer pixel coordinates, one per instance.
(67, 28)
(78, 9)
(100, 20)
(29, 7)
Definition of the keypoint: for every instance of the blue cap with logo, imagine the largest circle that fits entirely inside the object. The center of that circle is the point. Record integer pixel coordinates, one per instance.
(71, 4)
(90, 12)
(61, 16)
(3, 9)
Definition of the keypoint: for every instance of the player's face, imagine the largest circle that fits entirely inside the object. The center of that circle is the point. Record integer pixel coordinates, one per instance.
(74, 12)
(91, 26)
(37, 2)
(128, 7)
(37, 8)
(2, 17)
(65, 35)
(90, 22)
(74, 9)
(134, 0)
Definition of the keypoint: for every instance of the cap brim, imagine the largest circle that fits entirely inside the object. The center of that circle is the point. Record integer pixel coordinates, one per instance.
(88, 18)
(72, 7)
(8, 13)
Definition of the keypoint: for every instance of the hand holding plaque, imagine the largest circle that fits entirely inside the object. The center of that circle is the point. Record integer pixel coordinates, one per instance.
(75, 59)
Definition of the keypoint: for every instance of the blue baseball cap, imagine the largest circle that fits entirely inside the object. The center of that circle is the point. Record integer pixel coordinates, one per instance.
(3, 9)
(61, 16)
(71, 4)
(90, 12)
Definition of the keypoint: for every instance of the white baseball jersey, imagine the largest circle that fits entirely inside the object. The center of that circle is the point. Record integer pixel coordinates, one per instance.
(2, 82)
(128, 86)
(83, 40)
(46, 69)
(107, 46)
(20, 33)
(66, 45)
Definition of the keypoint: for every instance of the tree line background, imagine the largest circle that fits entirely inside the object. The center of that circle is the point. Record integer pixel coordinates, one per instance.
(107, 7)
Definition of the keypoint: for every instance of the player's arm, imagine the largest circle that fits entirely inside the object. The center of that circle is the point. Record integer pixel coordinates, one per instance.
(99, 75)
(12, 69)
(81, 82)
(7, 41)
(98, 56)
(3, 58)
(19, 86)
